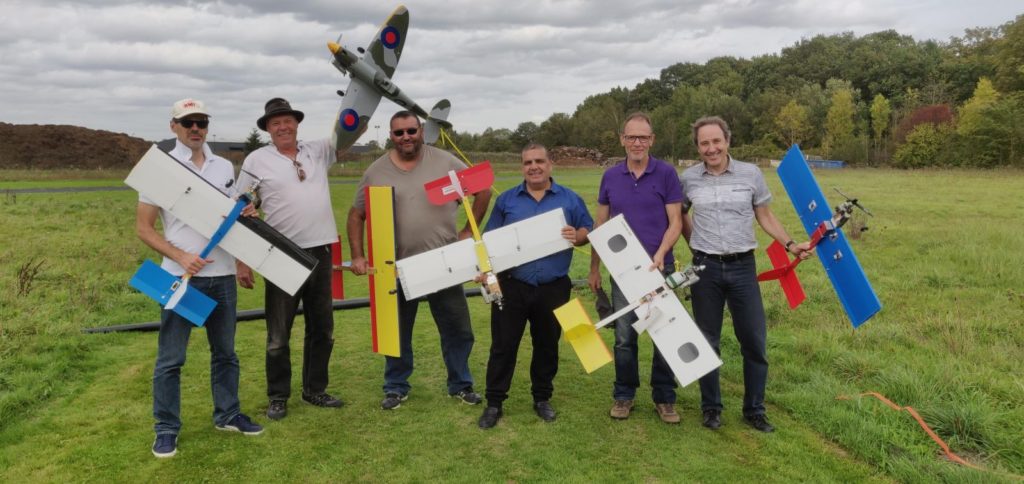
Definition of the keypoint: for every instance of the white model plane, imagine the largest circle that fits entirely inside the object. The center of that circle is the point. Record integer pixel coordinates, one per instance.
(371, 79)
(203, 207)
(495, 251)
(659, 312)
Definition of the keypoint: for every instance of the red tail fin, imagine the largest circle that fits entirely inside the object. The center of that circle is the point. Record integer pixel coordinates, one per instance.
(472, 180)
(337, 282)
(785, 271)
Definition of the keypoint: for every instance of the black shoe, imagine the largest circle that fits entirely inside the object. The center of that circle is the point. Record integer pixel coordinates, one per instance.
(323, 400)
(712, 418)
(759, 422)
(165, 445)
(393, 400)
(277, 409)
(489, 418)
(545, 411)
(468, 396)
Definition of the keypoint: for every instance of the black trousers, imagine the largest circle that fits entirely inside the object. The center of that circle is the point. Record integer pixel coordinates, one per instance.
(318, 343)
(522, 303)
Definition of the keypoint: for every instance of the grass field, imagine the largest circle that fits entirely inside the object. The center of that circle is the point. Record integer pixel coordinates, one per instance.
(943, 253)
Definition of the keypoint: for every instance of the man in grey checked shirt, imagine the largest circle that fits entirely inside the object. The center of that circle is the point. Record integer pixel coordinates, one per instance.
(726, 196)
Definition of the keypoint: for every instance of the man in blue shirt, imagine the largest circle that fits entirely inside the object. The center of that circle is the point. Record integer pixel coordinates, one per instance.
(533, 290)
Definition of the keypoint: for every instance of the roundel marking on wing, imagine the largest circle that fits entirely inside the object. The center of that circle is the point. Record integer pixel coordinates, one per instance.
(349, 119)
(390, 37)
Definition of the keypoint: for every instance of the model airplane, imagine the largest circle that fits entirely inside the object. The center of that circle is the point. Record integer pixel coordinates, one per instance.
(495, 251)
(371, 79)
(182, 192)
(823, 227)
(659, 312)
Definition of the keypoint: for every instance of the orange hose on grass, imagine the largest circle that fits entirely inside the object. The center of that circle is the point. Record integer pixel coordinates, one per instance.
(928, 430)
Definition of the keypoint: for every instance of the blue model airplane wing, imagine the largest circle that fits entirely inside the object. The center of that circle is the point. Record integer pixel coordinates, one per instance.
(848, 278)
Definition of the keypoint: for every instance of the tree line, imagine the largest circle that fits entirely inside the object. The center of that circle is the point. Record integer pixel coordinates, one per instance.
(879, 99)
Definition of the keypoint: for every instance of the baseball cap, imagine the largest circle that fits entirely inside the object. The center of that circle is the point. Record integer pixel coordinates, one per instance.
(188, 106)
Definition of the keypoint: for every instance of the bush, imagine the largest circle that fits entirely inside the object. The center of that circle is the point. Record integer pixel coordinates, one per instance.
(926, 145)
(762, 149)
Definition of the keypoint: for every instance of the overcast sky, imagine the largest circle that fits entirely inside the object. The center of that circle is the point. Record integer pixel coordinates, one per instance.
(119, 65)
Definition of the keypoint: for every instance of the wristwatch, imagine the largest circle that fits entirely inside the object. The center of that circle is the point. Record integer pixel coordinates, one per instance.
(791, 242)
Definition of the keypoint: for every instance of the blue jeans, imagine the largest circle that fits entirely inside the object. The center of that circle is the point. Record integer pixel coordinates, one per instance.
(451, 314)
(318, 343)
(733, 283)
(627, 367)
(170, 357)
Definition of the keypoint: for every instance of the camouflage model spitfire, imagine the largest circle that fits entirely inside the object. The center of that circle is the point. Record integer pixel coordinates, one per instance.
(371, 79)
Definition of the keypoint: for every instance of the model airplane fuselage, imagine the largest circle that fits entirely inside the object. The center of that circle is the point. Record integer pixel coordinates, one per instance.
(823, 228)
(371, 80)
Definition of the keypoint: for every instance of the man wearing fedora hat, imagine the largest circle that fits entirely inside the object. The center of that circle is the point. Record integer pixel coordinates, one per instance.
(296, 201)
(214, 276)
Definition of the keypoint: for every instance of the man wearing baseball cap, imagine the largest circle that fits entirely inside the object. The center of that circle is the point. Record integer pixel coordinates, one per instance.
(297, 202)
(214, 276)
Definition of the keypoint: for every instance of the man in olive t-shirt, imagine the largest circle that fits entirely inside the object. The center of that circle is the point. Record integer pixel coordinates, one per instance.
(419, 226)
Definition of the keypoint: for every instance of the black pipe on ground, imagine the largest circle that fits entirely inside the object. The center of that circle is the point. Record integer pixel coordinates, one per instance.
(252, 314)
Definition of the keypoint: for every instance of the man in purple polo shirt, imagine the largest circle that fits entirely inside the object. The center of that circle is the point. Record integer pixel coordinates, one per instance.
(646, 190)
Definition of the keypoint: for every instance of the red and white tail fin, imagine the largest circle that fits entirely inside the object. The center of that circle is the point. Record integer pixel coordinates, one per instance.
(468, 181)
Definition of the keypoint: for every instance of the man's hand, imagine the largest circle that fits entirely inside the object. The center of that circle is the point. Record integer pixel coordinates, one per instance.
(245, 276)
(594, 279)
(569, 233)
(802, 250)
(658, 262)
(250, 211)
(465, 233)
(359, 266)
(192, 263)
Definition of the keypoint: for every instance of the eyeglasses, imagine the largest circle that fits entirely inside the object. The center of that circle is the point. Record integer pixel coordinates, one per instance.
(189, 123)
(299, 170)
(401, 132)
(641, 139)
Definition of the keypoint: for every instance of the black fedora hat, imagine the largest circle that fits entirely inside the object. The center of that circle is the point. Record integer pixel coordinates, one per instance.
(277, 106)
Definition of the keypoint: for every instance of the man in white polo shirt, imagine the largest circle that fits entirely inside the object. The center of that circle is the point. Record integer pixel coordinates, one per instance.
(296, 200)
(214, 276)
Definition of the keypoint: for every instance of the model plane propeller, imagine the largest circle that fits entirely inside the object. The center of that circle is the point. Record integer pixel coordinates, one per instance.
(652, 298)
(371, 80)
(490, 253)
(174, 187)
(823, 227)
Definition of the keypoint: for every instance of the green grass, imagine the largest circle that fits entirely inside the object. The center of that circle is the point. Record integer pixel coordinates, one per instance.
(942, 252)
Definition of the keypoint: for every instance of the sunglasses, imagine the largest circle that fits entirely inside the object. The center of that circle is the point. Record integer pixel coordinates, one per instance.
(401, 132)
(189, 123)
(299, 170)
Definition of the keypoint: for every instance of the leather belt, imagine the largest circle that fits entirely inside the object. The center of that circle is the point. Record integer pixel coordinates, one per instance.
(725, 257)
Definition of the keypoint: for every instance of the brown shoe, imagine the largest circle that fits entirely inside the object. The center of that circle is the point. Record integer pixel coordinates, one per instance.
(621, 409)
(667, 412)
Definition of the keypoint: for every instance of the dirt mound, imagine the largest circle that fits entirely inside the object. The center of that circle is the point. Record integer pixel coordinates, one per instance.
(574, 155)
(47, 146)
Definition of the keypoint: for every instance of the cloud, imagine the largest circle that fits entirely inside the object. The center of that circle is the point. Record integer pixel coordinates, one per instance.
(118, 65)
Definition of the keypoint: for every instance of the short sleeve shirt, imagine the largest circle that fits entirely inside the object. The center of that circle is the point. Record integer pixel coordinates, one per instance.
(419, 225)
(299, 209)
(221, 174)
(723, 206)
(642, 200)
(517, 204)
